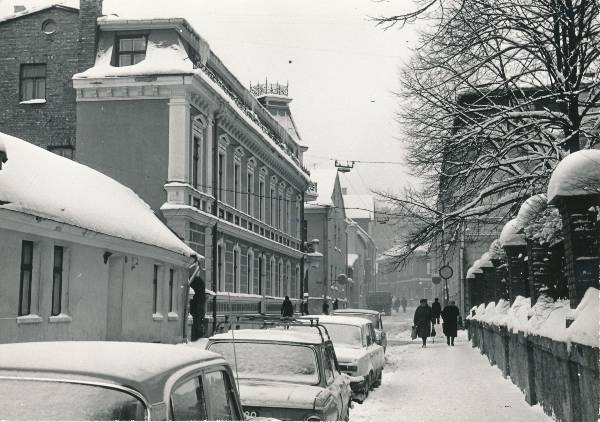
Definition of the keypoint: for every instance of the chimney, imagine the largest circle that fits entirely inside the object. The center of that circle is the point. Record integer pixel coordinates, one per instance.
(19, 8)
(89, 12)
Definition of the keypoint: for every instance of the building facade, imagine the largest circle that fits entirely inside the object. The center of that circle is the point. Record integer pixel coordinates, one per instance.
(83, 265)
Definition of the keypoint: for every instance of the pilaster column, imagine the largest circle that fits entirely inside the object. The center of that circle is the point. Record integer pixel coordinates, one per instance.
(179, 140)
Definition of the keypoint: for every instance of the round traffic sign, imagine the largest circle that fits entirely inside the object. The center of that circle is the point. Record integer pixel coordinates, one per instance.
(446, 272)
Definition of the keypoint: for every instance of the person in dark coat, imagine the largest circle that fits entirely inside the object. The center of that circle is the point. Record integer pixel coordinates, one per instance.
(436, 311)
(197, 308)
(422, 320)
(336, 304)
(304, 305)
(403, 304)
(396, 303)
(450, 314)
(287, 308)
(325, 308)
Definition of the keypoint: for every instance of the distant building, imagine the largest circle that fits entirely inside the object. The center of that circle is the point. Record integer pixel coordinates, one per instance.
(326, 221)
(412, 281)
(82, 256)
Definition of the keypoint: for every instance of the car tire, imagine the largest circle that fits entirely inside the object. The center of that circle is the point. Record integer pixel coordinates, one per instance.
(377, 382)
(371, 383)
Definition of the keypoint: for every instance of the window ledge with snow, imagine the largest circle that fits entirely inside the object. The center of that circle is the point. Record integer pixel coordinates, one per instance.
(157, 316)
(34, 101)
(172, 316)
(60, 318)
(29, 319)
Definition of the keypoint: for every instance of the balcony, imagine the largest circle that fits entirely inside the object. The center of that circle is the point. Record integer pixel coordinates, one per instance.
(184, 194)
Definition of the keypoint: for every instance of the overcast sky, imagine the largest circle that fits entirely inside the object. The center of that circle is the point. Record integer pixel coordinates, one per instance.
(341, 69)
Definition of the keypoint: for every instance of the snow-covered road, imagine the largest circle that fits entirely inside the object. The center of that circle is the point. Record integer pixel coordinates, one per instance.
(441, 383)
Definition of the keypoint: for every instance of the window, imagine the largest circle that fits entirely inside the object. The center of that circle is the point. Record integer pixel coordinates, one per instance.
(250, 193)
(221, 179)
(288, 280)
(237, 181)
(250, 272)
(261, 200)
(66, 151)
(57, 280)
(280, 212)
(327, 368)
(26, 270)
(236, 269)
(171, 279)
(298, 288)
(273, 198)
(220, 278)
(196, 162)
(220, 397)
(155, 290)
(33, 82)
(280, 279)
(261, 273)
(188, 402)
(131, 50)
(271, 287)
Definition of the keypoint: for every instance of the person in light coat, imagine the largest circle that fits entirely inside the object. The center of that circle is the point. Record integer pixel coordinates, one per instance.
(422, 320)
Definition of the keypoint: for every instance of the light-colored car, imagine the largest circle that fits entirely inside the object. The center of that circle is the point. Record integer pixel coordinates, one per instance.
(90, 380)
(286, 374)
(358, 354)
(374, 316)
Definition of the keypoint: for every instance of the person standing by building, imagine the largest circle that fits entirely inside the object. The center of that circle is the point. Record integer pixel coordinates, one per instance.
(336, 304)
(396, 303)
(304, 304)
(325, 308)
(403, 304)
(287, 308)
(436, 311)
(422, 320)
(450, 315)
(197, 308)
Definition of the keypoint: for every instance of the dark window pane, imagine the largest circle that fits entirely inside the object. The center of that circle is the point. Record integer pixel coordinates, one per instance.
(138, 58)
(40, 88)
(125, 44)
(33, 71)
(187, 402)
(124, 60)
(25, 292)
(139, 44)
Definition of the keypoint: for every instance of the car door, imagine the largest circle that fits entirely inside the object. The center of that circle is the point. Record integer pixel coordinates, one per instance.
(340, 381)
(375, 350)
(330, 370)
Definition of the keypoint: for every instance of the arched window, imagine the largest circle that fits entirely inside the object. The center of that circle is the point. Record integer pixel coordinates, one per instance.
(250, 271)
(237, 258)
(280, 279)
(271, 285)
(261, 273)
(221, 266)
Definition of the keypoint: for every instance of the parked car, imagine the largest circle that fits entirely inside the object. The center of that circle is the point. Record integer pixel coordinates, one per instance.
(374, 317)
(286, 374)
(90, 380)
(380, 301)
(358, 354)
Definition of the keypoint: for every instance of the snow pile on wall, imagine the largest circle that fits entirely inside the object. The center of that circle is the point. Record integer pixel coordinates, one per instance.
(546, 229)
(40, 183)
(510, 235)
(547, 318)
(576, 174)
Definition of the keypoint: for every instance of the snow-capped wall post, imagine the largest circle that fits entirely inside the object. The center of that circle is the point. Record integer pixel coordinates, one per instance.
(489, 278)
(575, 189)
(515, 247)
(498, 258)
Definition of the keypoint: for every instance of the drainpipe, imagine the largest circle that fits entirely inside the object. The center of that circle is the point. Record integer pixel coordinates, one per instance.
(303, 241)
(215, 211)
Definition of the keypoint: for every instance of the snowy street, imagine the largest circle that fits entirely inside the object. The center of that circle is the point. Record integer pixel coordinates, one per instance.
(440, 383)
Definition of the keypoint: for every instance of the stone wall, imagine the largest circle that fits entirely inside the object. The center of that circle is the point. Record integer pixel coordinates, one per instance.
(563, 380)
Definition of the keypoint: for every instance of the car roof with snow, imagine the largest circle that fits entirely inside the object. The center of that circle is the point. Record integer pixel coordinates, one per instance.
(338, 319)
(356, 311)
(271, 334)
(141, 366)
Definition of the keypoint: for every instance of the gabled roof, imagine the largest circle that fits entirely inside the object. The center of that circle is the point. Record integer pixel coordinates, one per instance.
(39, 183)
(359, 207)
(33, 10)
(326, 181)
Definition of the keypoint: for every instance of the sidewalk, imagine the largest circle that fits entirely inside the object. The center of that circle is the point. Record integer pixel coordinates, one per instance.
(443, 383)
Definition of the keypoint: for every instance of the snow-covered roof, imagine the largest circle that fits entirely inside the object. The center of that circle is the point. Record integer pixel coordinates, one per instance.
(352, 257)
(337, 319)
(325, 179)
(531, 208)
(510, 235)
(37, 182)
(274, 334)
(130, 363)
(31, 10)
(359, 206)
(577, 174)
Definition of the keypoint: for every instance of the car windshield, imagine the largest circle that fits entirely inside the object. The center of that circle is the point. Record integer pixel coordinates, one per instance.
(346, 335)
(271, 361)
(34, 400)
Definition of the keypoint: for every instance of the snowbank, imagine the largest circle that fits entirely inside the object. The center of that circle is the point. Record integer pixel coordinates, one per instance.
(37, 182)
(547, 318)
(510, 235)
(576, 174)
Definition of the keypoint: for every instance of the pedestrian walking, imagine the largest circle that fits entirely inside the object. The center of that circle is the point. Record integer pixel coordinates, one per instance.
(335, 304)
(423, 320)
(304, 304)
(450, 315)
(396, 304)
(287, 308)
(436, 311)
(403, 304)
(325, 308)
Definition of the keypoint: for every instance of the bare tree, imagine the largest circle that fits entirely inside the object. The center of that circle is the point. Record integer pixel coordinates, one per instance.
(496, 93)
